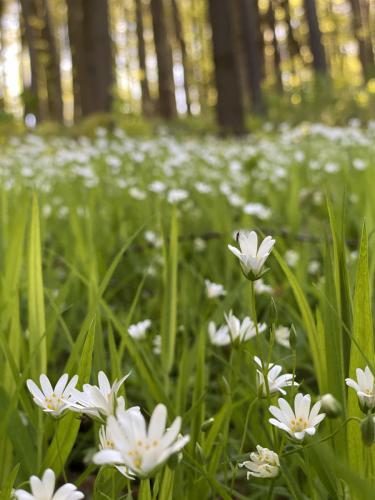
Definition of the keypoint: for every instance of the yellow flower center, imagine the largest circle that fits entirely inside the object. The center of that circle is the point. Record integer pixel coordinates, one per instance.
(298, 425)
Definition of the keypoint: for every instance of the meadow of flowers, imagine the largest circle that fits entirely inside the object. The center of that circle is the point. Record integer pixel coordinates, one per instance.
(188, 318)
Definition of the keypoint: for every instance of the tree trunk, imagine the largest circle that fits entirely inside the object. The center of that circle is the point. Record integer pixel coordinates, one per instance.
(51, 57)
(145, 89)
(276, 52)
(184, 59)
(250, 31)
(90, 44)
(167, 99)
(315, 36)
(363, 37)
(36, 100)
(230, 111)
(75, 23)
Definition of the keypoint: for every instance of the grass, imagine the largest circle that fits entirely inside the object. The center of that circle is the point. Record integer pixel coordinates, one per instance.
(87, 249)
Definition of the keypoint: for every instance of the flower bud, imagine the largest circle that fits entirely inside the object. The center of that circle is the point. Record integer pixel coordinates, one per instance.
(207, 424)
(331, 407)
(200, 453)
(272, 312)
(293, 337)
(368, 430)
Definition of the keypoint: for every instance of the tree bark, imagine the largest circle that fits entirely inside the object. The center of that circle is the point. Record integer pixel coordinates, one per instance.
(145, 89)
(250, 32)
(363, 37)
(184, 59)
(315, 36)
(276, 53)
(36, 101)
(167, 99)
(230, 110)
(90, 41)
(51, 57)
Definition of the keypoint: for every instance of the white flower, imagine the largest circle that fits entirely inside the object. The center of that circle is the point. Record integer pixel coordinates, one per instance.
(98, 400)
(276, 382)
(299, 422)
(263, 463)
(138, 331)
(214, 290)
(219, 336)
(52, 400)
(251, 257)
(138, 448)
(313, 267)
(282, 334)
(364, 387)
(156, 345)
(43, 489)
(260, 287)
(177, 195)
(291, 258)
(258, 209)
(244, 330)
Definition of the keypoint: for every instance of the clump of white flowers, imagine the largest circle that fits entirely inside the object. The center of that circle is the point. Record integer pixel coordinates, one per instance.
(300, 421)
(235, 330)
(364, 387)
(138, 331)
(137, 448)
(252, 258)
(263, 463)
(53, 400)
(44, 489)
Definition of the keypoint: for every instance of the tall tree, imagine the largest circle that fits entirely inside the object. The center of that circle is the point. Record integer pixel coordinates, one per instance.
(276, 52)
(363, 37)
(167, 99)
(315, 37)
(35, 97)
(91, 47)
(145, 89)
(184, 59)
(51, 58)
(253, 57)
(230, 109)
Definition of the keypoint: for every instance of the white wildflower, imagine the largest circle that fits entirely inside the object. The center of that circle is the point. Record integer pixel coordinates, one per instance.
(251, 257)
(364, 387)
(53, 400)
(263, 463)
(299, 422)
(139, 449)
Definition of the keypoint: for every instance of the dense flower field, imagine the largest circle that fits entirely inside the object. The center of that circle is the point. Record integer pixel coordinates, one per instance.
(188, 318)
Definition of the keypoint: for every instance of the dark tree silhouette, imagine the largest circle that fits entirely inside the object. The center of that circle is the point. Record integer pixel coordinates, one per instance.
(315, 37)
(167, 99)
(145, 89)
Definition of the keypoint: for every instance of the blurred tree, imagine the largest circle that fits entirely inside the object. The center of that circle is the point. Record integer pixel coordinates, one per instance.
(361, 29)
(91, 48)
(251, 34)
(315, 37)
(51, 62)
(184, 58)
(147, 106)
(270, 19)
(31, 23)
(230, 110)
(167, 99)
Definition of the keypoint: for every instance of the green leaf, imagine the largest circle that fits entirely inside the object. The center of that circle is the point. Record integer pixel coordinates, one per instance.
(37, 324)
(362, 349)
